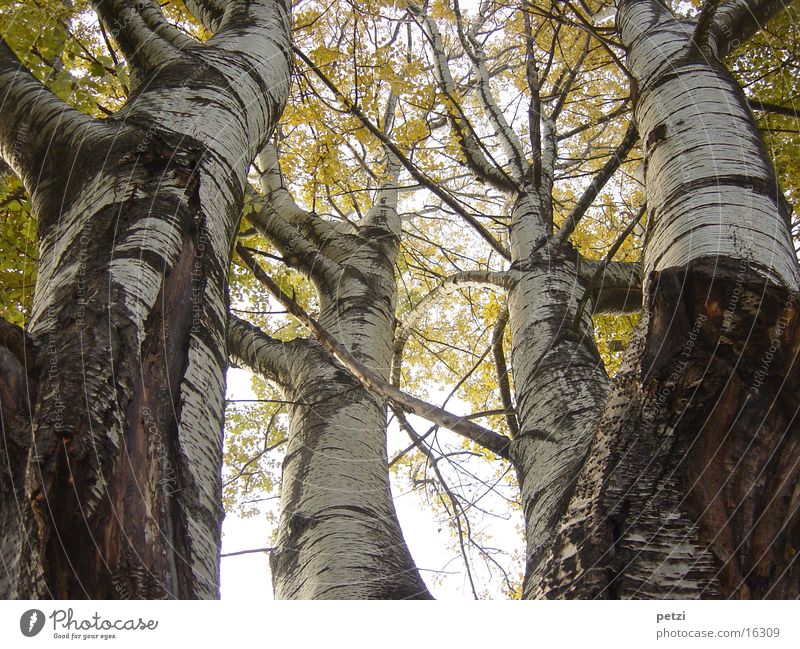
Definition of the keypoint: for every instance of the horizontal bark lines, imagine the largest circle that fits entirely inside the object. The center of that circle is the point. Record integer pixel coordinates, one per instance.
(560, 386)
(691, 487)
(129, 319)
(126, 305)
(339, 537)
(153, 418)
(711, 188)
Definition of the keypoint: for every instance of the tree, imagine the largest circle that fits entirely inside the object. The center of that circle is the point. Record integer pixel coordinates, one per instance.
(113, 392)
(629, 487)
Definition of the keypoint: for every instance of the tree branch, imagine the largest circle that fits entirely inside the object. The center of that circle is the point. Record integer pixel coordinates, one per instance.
(418, 175)
(281, 200)
(704, 22)
(597, 184)
(464, 279)
(496, 443)
(562, 90)
(502, 372)
(613, 286)
(471, 146)
(265, 355)
(589, 28)
(155, 20)
(38, 131)
(297, 251)
(599, 122)
(775, 109)
(737, 21)
(419, 442)
(240, 552)
(625, 280)
(535, 103)
(207, 12)
(503, 131)
(383, 213)
(142, 47)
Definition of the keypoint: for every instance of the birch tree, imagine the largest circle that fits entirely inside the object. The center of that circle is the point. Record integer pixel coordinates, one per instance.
(709, 207)
(482, 200)
(113, 391)
(698, 433)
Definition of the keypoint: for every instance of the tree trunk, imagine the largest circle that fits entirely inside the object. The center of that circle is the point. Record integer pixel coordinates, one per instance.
(560, 382)
(691, 486)
(121, 494)
(338, 535)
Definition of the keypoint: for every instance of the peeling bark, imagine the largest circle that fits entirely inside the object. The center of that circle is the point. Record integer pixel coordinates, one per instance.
(17, 394)
(689, 489)
(121, 494)
(560, 383)
(691, 486)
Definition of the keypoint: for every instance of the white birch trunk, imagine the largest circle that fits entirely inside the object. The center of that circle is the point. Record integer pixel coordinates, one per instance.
(711, 188)
(560, 382)
(129, 318)
(339, 536)
(689, 489)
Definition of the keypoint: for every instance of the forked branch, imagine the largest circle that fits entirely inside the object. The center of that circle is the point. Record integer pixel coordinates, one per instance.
(494, 442)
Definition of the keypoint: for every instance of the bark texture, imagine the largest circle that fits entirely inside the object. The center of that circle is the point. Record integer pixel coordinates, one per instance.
(338, 535)
(691, 486)
(690, 489)
(121, 494)
(560, 383)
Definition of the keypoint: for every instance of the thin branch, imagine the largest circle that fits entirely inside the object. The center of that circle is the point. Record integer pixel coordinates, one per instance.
(477, 156)
(414, 444)
(240, 552)
(464, 279)
(597, 184)
(503, 131)
(591, 286)
(604, 43)
(415, 172)
(535, 104)
(417, 439)
(496, 443)
(562, 91)
(594, 123)
(258, 455)
(775, 109)
(502, 372)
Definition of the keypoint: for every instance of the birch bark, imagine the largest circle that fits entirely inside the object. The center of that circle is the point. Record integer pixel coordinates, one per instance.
(338, 534)
(121, 492)
(689, 489)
